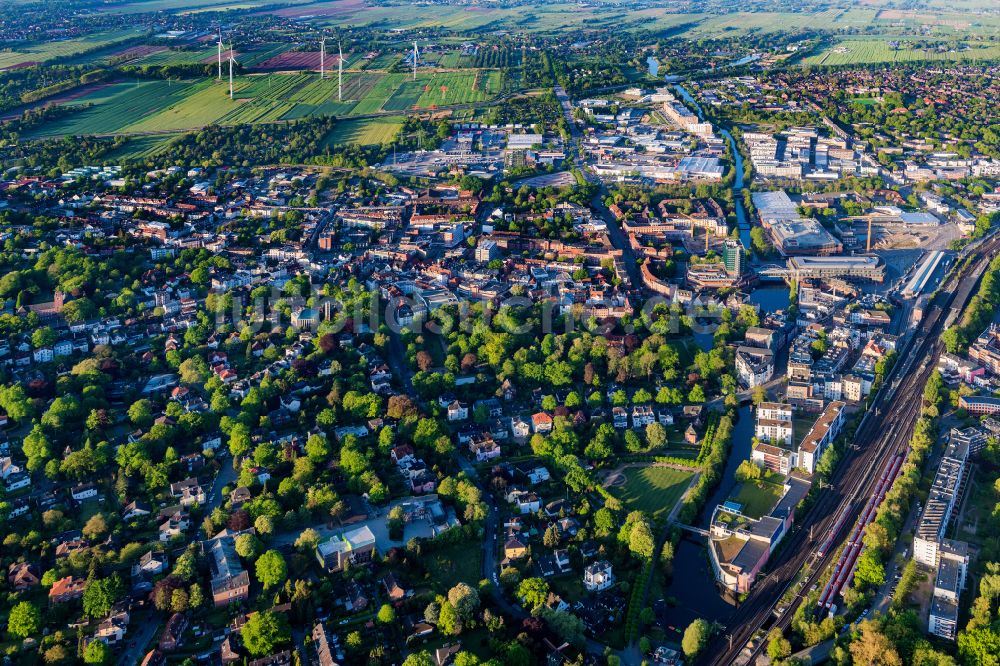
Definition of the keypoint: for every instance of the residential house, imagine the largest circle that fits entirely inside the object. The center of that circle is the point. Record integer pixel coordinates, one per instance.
(175, 525)
(150, 564)
(17, 481)
(491, 406)
(112, 629)
(393, 589)
(526, 502)
(514, 549)
(457, 411)
(484, 448)
(446, 654)
(135, 509)
(354, 546)
(189, 492)
(67, 589)
(541, 423)
(598, 576)
(23, 576)
(239, 497)
(691, 434)
(282, 658)
(823, 432)
(774, 423)
(520, 428)
(537, 475)
(322, 642)
(642, 415)
(70, 546)
(8, 467)
(754, 365)
(83, 491)
(401, 453)
(562, 561)
(355, 599)
(230, 581)
(173, 633)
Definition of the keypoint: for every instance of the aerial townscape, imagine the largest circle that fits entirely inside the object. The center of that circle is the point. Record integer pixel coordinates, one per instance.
(500, 332)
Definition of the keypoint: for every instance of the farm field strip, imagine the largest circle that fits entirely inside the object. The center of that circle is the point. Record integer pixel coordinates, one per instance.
(115, 107)
(383, 61)
(45, 51)
(141, 147)
(175, 56)
(367, 131)
(205, 103)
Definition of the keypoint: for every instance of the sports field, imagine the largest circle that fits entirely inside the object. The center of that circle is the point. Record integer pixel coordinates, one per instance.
(654, 490)
(144, 106)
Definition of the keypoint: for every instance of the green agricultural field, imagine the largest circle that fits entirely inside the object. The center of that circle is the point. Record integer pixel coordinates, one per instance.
(454, 60)
(564, 17)
(179, 56)
(382, 61)
(654, 490)
(366, 131)
(116, 107)
(878, 50)
(157, 106)
(344, 13)
(831, 19)
(432, 89)
(202, 103)
(141, 147)
(260, 54)
(51, 50)
(202, 54)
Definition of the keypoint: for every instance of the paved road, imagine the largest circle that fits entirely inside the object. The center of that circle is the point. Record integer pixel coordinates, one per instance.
(143, 627)
(567, 108)
(145, 624)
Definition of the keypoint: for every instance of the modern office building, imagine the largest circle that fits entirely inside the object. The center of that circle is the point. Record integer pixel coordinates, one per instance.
(944, 496)
(733, 256)
(862, 268)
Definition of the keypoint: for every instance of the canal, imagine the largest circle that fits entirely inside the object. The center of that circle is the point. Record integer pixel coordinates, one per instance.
(741, 215)
(692, 592)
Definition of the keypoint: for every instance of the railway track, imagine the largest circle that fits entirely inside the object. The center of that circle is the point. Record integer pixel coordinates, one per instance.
(884, 431)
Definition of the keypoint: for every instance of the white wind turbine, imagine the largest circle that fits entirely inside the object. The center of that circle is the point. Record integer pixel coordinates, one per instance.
(322, 58)
(220, 54)
(232, 61)
(340, 73)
